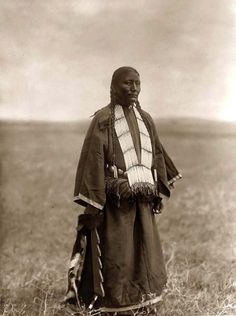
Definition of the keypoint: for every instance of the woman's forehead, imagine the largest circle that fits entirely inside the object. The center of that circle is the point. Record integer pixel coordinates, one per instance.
(128, 75)
(123, 71)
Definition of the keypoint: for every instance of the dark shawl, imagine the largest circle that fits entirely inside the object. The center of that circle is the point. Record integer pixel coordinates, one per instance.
(96, 154)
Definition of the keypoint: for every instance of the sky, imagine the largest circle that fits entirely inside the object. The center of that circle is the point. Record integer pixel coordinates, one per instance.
(57, 57)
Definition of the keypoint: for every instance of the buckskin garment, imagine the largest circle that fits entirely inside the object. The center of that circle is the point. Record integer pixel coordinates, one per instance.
(119, 266)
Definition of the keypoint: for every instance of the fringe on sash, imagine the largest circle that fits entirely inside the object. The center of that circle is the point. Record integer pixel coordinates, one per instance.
(118, 189)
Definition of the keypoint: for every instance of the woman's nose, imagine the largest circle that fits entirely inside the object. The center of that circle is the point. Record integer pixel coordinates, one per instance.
(133, 86)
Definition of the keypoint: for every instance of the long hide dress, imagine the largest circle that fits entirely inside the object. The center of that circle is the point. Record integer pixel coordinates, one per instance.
(133, 271)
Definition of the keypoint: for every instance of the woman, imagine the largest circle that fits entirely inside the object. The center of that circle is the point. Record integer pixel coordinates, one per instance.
(123, 173)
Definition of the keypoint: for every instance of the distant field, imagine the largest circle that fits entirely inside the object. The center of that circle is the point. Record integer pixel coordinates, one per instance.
(38, 217)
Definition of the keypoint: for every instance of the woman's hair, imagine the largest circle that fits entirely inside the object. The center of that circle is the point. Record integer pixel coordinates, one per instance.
(120, 71)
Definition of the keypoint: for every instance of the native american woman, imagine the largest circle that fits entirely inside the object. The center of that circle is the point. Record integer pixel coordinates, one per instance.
(123, 174)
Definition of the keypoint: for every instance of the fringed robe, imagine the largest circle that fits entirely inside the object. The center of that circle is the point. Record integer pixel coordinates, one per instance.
(133, 269)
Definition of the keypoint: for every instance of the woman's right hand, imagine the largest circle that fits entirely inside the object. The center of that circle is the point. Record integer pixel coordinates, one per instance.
(91, 219)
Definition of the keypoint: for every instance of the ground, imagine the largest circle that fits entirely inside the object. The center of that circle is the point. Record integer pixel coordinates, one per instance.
(38, 217)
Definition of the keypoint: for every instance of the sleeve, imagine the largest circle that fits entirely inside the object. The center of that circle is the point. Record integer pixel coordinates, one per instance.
(172, 172)
(90, 176)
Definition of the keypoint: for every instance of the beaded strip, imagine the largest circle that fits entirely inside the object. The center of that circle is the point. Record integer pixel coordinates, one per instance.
(137, 172)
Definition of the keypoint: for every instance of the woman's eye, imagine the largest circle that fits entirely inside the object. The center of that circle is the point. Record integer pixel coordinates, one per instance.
(137, 83)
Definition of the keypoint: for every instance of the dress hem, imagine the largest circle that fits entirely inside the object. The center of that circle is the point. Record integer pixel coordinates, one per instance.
(131, 307)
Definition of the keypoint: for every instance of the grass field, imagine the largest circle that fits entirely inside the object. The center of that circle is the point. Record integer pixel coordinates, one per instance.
(38, 217)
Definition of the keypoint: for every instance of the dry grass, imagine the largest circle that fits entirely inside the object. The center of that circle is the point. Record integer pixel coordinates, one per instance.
(38, 221)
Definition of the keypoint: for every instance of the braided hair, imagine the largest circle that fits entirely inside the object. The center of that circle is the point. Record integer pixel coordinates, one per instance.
(115, 78)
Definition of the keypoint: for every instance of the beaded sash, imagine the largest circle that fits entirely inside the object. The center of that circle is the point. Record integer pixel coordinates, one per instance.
(139, 173)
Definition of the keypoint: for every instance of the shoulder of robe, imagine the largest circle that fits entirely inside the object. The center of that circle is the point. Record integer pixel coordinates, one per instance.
(148, 117)
(102, 116)
(154, 129)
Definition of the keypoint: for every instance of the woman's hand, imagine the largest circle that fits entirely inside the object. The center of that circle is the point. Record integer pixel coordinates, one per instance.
(91, 219)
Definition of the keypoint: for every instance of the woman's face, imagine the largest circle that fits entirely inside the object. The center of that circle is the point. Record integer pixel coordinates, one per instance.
(127, 88)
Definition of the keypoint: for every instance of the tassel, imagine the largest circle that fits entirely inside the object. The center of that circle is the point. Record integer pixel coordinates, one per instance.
(93, 302)
(115, 172)
(155, 174)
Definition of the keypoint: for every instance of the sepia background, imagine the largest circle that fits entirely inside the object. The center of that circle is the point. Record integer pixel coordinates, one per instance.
(57, 58)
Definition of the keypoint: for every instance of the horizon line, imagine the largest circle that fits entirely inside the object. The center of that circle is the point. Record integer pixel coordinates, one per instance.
(162, 118)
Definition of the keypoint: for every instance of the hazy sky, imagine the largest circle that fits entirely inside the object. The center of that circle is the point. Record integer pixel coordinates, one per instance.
(57, 56)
